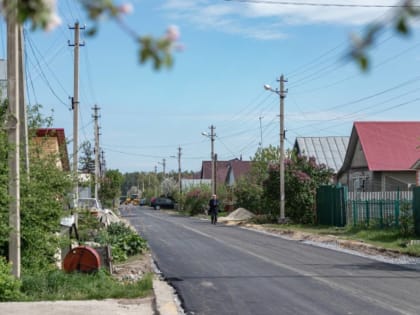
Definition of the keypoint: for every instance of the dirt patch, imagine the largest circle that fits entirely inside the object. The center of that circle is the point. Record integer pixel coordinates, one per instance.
(327, 239)
(134, 268)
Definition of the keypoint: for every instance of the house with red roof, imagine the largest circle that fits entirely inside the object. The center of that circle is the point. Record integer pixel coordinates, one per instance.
(227, 172)
(380, 156)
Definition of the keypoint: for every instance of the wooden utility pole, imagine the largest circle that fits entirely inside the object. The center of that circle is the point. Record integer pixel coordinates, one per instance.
(13, 135)
(282, 94)
(163, 166)
(213, 162)
(75, 106)
(179, 171)
(103, 163)
(96, 131)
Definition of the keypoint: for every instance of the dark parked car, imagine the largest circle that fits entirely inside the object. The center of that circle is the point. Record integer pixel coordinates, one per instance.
(162, 202)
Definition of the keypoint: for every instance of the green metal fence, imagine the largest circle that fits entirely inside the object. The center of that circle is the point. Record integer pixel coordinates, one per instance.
(331, 205)
(416, 210)
(384, 212)
(379, 208)
(335, 206)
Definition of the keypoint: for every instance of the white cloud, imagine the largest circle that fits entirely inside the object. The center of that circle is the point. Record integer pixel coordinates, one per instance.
(262, 20)
(306, 14)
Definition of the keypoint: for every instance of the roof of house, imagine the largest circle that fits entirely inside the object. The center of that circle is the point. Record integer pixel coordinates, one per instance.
(61, 140)
(387, 145)
(239, 168)
(326, 150)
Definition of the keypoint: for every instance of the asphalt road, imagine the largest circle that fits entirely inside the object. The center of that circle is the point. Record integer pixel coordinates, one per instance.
(230, 270)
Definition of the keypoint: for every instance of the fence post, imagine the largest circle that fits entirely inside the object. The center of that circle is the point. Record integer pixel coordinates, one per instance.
(416, 210)
(381, 213)
(353, 205)
(397, 212)
(367, 213)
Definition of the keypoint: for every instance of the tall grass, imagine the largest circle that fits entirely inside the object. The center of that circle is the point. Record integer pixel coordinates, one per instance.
(57, 285)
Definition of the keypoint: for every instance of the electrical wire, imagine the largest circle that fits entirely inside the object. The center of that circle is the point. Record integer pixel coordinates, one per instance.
(316, 4)
(43, 74)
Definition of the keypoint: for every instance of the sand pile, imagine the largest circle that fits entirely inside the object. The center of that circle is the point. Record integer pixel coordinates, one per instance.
(239, 214)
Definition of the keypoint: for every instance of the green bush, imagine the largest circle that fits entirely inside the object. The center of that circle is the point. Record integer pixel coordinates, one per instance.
(88, 226)
(123, 240)
(197, 199)
(406, 219)
(248, 195)
(9, 285)
(302, 177)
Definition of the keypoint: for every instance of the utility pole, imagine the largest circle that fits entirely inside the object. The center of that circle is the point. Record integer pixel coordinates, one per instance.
(214, 173)
(23, 123)
(261, 140)
(75, 105)
(213, 162)
(179, 171)
(163, 166)
(282, 95)
(13, 121)
(156, 180)
(103, 163)
(96, 131)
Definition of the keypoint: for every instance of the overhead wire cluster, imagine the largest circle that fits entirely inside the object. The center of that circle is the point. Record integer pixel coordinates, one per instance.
(42, 75)
(313, 77)
(330, 68)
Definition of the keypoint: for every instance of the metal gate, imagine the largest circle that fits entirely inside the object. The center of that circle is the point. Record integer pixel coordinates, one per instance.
(331, 205)
(416, 210)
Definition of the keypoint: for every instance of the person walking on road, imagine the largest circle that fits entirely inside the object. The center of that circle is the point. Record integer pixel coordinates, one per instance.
(213, 209)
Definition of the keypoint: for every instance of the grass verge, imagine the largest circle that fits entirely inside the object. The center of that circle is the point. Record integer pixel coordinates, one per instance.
(58, 285)
(389, 238)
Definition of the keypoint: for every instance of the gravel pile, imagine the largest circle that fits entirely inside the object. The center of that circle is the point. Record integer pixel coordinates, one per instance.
(239, 214)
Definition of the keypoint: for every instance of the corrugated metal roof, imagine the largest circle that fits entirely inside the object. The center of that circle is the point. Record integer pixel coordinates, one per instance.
(326, 150)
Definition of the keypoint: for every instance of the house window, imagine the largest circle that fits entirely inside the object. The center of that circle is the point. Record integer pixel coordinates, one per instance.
(360, 183)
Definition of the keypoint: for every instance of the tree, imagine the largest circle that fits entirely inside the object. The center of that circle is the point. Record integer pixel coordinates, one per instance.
(168, 187)
(43, 197)
(42, 14)
(261, 161)
(4, 196)
(249, 191)
(86, 159)
(302, 176)
(110, 187)
(400, 21)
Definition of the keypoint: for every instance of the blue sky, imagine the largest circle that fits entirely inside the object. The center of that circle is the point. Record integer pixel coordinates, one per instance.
(232, 49)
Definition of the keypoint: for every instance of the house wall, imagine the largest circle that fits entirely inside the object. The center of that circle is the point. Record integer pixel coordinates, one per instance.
(358, 177)
(49, 146)
(402, 180)
(359, 160)
(363, 180)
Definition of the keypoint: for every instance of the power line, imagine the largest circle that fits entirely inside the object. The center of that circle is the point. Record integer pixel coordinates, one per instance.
(43, 74)
(314, 4)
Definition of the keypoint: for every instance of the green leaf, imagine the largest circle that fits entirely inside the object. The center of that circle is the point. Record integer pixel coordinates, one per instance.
(363, 62)
(401, 26)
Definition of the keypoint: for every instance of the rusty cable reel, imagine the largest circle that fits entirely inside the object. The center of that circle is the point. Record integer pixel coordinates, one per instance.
(83, 259)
